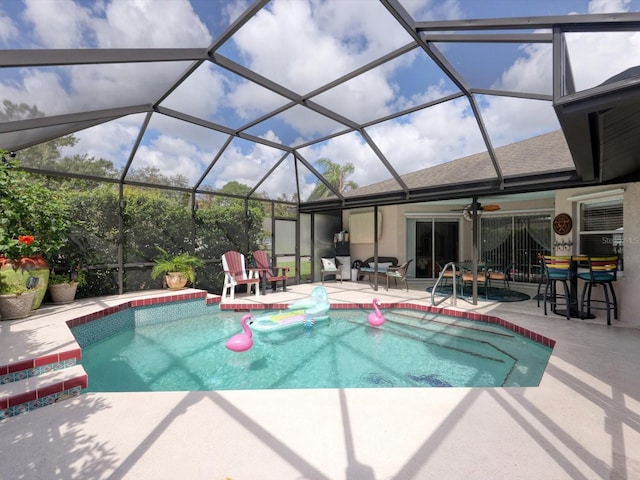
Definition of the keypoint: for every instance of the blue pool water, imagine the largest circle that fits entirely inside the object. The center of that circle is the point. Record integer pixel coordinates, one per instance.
(411, 349)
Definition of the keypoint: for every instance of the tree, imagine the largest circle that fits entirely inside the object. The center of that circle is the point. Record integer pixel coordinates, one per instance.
(13, 111)
(336, 175)
(284, 209)
(153, 175)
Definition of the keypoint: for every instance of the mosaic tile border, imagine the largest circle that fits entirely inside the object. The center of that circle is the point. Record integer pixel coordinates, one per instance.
(145, 302)
(39, 370)
(39, 402)
(100, 328)
(34, 367)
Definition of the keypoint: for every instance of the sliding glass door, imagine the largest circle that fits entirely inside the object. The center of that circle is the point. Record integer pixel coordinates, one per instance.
(436, 244)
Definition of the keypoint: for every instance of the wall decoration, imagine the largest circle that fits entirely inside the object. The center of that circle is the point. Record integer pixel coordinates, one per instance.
(562, 224)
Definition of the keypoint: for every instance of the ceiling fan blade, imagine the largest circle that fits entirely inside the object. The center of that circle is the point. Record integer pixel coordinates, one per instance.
(484, 208)
(490, 208)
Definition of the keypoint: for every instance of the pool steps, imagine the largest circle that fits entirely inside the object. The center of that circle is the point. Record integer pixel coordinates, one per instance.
(28, 392)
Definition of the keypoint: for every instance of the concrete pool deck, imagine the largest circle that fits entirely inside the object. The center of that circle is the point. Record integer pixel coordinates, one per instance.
(582, 422)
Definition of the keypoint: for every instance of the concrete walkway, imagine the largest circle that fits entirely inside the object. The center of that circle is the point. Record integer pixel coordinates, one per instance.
(582, 422)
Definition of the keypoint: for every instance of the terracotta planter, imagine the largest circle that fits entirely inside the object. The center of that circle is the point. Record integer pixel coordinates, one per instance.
(13, 307)
(175, 280)
(63, 292)
(24, 268)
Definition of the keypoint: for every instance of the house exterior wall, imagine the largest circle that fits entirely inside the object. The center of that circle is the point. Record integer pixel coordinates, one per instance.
(628, 286)
(393, 241)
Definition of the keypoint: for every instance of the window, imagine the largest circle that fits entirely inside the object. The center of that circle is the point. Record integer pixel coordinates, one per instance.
(601, 227)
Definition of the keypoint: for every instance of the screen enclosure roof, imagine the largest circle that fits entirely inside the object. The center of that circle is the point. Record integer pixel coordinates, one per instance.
(327, 104)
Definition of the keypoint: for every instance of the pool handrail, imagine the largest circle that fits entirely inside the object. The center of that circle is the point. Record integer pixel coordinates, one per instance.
(451, 265)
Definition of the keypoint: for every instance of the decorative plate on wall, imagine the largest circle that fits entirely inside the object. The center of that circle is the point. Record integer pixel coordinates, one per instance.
(562, 224)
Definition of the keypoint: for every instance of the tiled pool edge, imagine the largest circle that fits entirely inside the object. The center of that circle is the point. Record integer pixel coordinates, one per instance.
(95, 327)
(478, 317)
(144, 302)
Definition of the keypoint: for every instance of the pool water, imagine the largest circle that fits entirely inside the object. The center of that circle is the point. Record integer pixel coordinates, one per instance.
(411, 349)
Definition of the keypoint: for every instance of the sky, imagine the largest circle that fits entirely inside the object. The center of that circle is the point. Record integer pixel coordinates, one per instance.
(301, 44)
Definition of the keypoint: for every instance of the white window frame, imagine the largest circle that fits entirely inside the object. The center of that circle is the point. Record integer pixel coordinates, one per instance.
(598, 200)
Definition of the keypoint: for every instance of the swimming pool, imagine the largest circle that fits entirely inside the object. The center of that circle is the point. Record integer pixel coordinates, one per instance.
(411, 349)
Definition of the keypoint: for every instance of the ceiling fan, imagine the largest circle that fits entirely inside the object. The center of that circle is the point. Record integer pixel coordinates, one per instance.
(467, 212)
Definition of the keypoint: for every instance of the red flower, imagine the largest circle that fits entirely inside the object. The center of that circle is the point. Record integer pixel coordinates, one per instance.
(26, 239)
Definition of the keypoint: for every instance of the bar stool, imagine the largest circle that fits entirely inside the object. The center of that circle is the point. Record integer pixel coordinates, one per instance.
(557, 269)
(602, 271)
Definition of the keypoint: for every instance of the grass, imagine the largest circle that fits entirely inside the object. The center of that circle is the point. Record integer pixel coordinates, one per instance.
(305, 268)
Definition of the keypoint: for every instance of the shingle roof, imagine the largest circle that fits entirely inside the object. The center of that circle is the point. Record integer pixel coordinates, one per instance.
(543, 154)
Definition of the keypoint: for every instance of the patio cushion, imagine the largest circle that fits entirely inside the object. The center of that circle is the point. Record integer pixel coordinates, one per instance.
(381, 265)
(329, 264)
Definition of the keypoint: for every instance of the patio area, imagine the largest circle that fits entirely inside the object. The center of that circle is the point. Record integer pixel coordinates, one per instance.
(582, 422)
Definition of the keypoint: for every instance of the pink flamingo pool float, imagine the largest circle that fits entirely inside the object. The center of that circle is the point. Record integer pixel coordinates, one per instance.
(241, 342)
(376, 318)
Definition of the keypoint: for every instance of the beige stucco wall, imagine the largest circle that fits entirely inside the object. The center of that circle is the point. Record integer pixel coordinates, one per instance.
(628, 287)
(392, 240)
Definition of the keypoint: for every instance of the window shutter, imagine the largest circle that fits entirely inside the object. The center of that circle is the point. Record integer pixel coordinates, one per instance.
(602, 216)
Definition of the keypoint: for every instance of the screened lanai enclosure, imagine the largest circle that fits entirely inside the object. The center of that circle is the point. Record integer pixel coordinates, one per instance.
(206, 126)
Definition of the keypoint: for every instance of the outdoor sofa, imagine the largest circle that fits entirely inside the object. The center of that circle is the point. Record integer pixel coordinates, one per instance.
(367, 268)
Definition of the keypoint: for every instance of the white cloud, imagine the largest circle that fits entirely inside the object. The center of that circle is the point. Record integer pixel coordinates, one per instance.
(121, 23)
(201, 95)
(608, 6)
(172, 156)
(423, 10)
(8, 29)
(246, 167)
(531, 72)
(250, 101)
(59, 24)
(309, 44)
(429, 137)
(111, 141)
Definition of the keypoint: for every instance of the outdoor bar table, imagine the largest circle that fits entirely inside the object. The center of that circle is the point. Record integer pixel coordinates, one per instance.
(576, 262)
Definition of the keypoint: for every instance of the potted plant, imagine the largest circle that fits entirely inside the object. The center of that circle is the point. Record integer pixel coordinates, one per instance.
(178, 270)
(19, 263)
(63, 286)
(16, 298)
